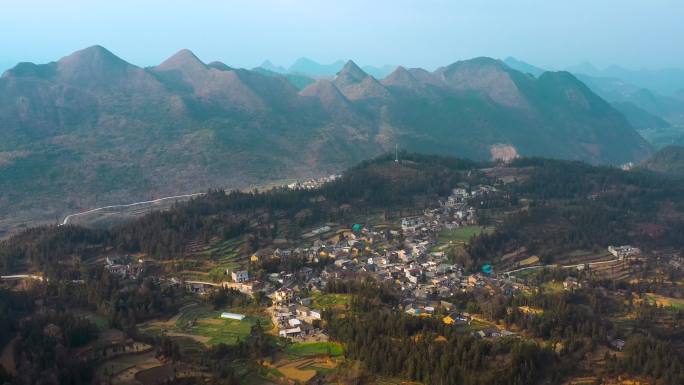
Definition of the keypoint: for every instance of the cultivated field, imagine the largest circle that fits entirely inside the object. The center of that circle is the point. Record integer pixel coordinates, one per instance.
(311, 349)
(205, 326)
(460, 235)
(667, 302)
(335, 301)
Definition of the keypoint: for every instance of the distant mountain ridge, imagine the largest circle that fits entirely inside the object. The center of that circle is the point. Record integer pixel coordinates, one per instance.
(640, 118)
(638, 94)
(523, 66)
(91, 129)
(306, 66)
(616, 90)
(663, 81)
(312, 69)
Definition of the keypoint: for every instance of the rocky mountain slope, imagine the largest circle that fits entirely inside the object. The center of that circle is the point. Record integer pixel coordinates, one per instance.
(91, 129)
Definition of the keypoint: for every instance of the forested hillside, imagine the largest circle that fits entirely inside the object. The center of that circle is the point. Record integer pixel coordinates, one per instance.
(569, 205)
(521, 328)
(92, 130)
(380, 184)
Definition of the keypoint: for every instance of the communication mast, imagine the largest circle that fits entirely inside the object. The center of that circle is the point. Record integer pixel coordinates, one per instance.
(396, 153)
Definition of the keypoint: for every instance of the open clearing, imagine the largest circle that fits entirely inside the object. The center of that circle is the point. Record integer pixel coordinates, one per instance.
(460, 235)
(205, 326)
(338, 301)
(310, 349)
(668, 302)
(552, 287)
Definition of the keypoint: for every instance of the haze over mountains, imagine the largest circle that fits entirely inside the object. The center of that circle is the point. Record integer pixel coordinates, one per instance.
(650, 99)
(308, 67)
(668, 81)
(92, 129)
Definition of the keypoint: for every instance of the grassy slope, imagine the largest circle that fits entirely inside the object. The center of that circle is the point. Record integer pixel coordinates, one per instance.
(307, 349)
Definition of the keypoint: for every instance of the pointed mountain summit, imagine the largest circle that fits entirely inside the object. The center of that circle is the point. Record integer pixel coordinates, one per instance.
(184, 60)
(350, 74)
(95, 56)
(401, 77)
(94, 66)
(486, 75)
(185, 72)
(356, 84)
(90, 66)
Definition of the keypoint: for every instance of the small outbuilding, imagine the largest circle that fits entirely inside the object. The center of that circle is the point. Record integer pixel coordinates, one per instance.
(234, 316)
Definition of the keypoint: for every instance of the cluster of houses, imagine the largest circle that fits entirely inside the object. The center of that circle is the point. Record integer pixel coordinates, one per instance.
(124, 266)
(405, 256)
(571, 283)
(456, 211)
(676, 262)
(626, 251)
(294, 319)
(453, 212)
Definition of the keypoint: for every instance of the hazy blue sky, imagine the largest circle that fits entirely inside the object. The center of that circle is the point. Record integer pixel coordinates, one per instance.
(553, 33)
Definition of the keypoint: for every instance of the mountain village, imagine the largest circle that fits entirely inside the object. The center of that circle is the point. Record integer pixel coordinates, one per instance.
(409, 255)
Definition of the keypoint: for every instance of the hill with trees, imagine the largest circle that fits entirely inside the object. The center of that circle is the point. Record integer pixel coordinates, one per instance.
(669, 160)
(546, 207)
(91, 130)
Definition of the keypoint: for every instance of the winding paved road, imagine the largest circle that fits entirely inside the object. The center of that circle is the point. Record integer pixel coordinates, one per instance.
(68, 217)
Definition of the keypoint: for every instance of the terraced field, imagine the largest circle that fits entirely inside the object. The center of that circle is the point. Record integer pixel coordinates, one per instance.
(301, 369)
(583, 256)
(210, 261)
